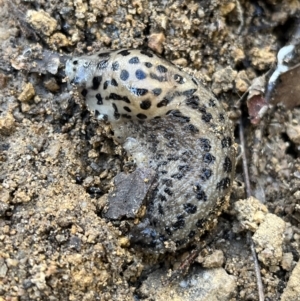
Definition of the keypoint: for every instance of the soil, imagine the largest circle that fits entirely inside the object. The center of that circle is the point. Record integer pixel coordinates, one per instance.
(57, 163)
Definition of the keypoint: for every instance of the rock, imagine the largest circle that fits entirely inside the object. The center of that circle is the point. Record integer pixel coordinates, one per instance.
(53, 150)
(223, 80)
(242, 82)
(3, 268)
(129, 193)
(51, 84)
(27, 93)
(3, 80)
(41, 21)
(214, 260)
(59, 40)
(262, 58)
(4, 207)
(182, 62)
(293, 131)
(21, 197)
(156, 41)
(268, 240)
(250, 213)
(7, 124)
(200, 285)
(238, 54)
(227, 8)
(287, 261)
(292, 290)
(12, 263)
(5, 196)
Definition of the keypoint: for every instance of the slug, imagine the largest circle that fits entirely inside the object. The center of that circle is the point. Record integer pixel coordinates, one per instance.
(169, 122)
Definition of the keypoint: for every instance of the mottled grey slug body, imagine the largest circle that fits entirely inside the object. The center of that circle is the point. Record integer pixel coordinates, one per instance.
(167, 121)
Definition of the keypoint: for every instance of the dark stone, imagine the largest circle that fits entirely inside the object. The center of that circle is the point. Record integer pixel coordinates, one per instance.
(129, 193)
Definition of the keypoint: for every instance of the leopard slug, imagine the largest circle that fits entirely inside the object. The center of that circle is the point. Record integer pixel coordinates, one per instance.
(168, 121)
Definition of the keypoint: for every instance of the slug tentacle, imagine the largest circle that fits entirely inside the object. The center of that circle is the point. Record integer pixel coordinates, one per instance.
(169, 122)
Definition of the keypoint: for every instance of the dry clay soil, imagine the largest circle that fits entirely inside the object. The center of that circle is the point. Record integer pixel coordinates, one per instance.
(57, 163)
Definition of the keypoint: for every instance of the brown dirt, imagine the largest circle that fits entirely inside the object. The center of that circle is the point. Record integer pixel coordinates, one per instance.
(57, 163)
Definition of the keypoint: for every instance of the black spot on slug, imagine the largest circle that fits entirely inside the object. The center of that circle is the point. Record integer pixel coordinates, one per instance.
(180, 242)
(193, 102)
(115, 66)
(140, 74)
(105, 85)
(134, 60)
(115, 96)
(200, 194)
(205, 144)
(96, 82)
(138, 91)
(179, 224)
(227, 165)
(162, 198)
(148, 65)
(178, 115)
(102, 64)
(167, 182)
(190, 208)
(145, 104)
(223, 184)
(208, 158)
(163, 103)
(126, 116)
(207, 117)
(113, 82)
(160, 209)
(168, 231)
(205, 174)
(162, 78)
(168, 191)
(191, 234)
(194, 81)
(141, 116)
(124, 75)
(116, 113)
(147, 53)
(191, 128)
(189, 92)
(212, 103)
(178, 78)
(156, 91)
(202, 109)
(221, 118)
(161, 69)
(226, 142)
(200, 223)
(103, 54)
(99, 99)
(126, 109)
(124, 52)
(84, 92)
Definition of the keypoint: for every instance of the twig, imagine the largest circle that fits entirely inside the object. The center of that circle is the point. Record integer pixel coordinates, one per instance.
(185, 265)
(240, 16)
(187, 262)
(244, 159)
(248, 192)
